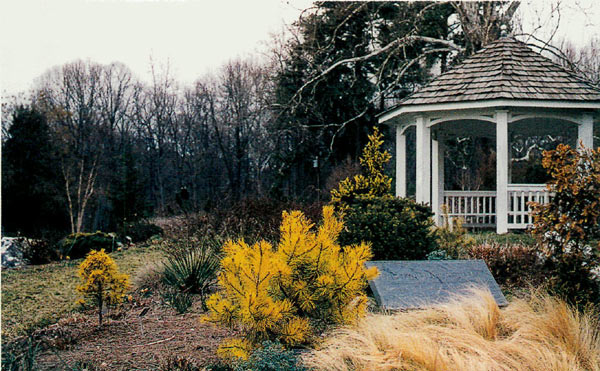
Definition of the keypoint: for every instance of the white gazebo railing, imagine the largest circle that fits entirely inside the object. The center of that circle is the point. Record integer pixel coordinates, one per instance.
(478, 208)
(519, 196)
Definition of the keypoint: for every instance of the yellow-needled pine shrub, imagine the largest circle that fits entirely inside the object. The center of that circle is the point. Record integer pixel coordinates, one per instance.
(372, 182)
(287, 292)
(101, 280)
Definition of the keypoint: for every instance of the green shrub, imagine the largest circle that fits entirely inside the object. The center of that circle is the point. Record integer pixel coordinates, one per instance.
(78, 245)
(191, 266)
(567, 226)
(141, 231)
(573, 278)
(397, 228)
(452, 240)
(272, 356)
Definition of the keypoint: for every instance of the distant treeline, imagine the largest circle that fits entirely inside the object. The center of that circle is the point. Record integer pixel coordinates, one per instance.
(92, 147)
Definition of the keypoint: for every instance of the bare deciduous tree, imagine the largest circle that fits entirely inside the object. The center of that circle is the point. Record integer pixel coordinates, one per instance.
(239, 116)
(154, 116)
(585, 60)
(482, 21)
(70, 96)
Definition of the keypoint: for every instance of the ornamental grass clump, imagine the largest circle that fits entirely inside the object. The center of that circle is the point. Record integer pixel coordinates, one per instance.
(101, 280)
(540, 333)
(287, 292)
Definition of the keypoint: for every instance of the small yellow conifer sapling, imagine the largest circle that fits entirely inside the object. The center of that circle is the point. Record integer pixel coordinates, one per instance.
(372, 182)
(101, 280)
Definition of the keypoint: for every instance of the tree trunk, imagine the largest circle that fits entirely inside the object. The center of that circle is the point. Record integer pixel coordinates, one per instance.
(100, 302)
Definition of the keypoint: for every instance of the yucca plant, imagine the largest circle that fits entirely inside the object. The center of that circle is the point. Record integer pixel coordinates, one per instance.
(192, 267)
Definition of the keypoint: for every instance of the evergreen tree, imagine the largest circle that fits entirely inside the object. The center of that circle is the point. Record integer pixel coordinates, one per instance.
(127, 194)
(373, 182)
(31, 204)
(330, 113)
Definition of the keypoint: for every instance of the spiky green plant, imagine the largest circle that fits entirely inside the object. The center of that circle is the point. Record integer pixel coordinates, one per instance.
(193, 268)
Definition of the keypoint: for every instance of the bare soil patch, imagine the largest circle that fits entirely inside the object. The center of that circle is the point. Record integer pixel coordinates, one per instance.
(130, 342)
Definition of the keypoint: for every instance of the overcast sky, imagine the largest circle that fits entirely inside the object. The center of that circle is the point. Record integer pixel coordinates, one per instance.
(196, 37)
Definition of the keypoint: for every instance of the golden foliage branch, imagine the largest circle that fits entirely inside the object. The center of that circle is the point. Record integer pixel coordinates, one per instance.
(372, 182)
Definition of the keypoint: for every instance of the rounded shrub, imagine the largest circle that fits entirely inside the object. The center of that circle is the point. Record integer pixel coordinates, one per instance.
(77, 245)
(397, 228)
(512, 265)
(141, 231)
(291, 291)
(272, 356)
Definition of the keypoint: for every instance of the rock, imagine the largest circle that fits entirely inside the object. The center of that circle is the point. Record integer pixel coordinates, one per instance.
(11, 252)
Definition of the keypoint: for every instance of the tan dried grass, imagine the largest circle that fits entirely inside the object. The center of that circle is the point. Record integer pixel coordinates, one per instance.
(470, 333)
(149, 276)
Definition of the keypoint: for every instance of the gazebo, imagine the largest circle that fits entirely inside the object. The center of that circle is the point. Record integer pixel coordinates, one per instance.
(505, 88)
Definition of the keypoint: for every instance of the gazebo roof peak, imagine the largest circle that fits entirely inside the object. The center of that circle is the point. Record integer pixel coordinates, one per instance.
(505, 69)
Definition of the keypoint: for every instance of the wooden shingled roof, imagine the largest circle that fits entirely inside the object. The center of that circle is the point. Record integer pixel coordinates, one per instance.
(505, 69)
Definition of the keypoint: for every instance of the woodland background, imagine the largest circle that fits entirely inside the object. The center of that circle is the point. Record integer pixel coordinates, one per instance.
(93, 148)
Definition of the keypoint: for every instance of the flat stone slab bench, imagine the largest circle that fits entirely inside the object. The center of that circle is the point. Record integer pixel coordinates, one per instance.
(412, 284)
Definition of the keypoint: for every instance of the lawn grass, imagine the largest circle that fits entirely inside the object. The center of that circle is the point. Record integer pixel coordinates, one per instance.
(36, 296)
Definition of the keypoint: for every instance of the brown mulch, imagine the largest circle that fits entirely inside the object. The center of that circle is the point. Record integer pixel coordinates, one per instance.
(129, 342)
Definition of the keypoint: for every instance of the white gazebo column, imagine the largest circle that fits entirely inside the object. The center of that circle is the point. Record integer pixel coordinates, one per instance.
(400, 162)
(502, 171)
(423, 190)
(437, 178)
(585, 132)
